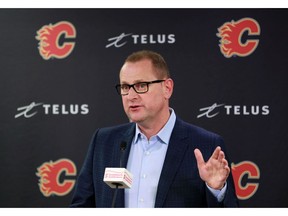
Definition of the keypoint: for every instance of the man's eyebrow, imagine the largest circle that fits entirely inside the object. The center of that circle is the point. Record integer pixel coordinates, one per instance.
(135, 81)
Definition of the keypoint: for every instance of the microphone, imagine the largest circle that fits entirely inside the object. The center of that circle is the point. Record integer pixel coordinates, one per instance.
(122, 149)
(118, 177)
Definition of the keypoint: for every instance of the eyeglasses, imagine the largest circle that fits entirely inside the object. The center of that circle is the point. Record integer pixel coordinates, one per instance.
(140, 87)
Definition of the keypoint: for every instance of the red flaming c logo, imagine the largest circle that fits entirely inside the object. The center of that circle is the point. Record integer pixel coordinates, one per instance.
(49, 35)
(49, 173)
(231, 34)
(239, 171)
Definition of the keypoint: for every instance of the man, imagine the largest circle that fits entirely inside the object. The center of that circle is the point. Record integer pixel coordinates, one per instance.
(174, 164)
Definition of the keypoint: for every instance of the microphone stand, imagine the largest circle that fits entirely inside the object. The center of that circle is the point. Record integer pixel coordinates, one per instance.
(117, 185)
(115, 194)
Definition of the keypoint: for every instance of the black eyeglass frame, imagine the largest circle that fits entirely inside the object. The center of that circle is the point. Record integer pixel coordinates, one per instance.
(118, 86)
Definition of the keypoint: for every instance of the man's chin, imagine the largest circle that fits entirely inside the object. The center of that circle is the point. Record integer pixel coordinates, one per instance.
(135, 119)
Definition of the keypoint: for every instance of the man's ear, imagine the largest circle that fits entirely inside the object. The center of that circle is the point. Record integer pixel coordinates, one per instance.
(168, 85)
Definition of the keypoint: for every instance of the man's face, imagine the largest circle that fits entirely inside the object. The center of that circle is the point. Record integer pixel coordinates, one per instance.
(144, 108)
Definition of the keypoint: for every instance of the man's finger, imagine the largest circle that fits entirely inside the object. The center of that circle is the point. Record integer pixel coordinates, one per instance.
(221, 156)
(224, 162)
(216, 152)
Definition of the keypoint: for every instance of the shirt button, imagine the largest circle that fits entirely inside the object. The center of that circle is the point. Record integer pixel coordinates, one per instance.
(141, 200)
(147, 153)
(144, 176)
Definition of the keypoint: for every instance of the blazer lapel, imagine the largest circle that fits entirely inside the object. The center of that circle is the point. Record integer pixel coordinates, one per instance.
(175, 152)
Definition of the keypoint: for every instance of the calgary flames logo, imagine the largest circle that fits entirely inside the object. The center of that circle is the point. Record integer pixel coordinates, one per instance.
(245, 190)
(49, 173)
(231, 35)
(49, 35)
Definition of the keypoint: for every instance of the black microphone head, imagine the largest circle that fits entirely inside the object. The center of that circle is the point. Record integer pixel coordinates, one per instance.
(123, 146)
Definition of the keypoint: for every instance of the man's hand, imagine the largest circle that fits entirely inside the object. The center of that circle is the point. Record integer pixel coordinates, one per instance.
(215, 171)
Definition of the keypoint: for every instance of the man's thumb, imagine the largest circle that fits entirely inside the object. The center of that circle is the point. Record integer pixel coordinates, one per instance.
(199, 157)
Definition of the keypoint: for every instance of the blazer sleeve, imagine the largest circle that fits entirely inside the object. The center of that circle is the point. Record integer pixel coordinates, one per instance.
(84, 194)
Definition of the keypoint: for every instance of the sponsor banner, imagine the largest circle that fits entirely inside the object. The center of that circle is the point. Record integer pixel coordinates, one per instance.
(59, 68)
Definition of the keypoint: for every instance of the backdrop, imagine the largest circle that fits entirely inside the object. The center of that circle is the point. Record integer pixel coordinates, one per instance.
(58, 72)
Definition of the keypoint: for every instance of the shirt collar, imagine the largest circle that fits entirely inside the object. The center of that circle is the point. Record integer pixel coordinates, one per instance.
(165, 133)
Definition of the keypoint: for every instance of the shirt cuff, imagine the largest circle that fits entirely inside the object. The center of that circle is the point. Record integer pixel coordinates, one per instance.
(219, 194)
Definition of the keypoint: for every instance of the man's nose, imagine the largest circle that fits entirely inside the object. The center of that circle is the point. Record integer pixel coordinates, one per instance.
(132, 93)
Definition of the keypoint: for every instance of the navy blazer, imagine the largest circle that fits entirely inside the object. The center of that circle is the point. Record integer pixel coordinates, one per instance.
(179, 184)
